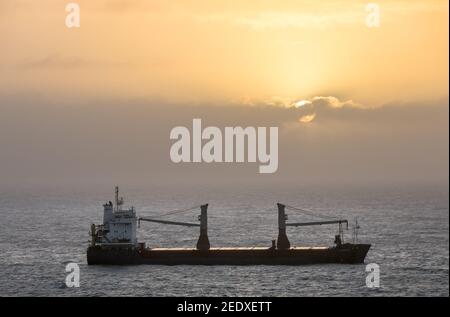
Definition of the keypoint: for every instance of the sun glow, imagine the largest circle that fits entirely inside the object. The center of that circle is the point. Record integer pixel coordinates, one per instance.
(302, 103)
(307, 118)
(187, 52)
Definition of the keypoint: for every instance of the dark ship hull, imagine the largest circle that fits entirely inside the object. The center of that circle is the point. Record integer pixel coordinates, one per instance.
(345, 254)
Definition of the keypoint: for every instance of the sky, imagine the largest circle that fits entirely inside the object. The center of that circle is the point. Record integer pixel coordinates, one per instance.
(353, 103)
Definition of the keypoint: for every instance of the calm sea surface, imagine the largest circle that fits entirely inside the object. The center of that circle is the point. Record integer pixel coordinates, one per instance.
(42, 230)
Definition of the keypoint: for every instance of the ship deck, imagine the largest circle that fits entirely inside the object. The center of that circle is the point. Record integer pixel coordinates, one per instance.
(234, 249)
(229, 255)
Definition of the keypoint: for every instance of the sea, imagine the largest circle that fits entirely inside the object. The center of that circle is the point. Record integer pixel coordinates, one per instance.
(44, 228)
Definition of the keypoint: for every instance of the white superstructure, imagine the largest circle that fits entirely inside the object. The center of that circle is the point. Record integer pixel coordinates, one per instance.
(119, 225)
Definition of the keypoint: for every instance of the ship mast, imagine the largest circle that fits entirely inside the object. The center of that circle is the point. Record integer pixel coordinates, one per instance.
(119, 201)
(117, 198)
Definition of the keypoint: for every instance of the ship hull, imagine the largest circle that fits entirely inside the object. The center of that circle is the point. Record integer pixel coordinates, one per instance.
(345, 254)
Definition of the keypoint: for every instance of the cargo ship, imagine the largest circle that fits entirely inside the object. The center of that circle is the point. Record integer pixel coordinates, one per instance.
(114, 243)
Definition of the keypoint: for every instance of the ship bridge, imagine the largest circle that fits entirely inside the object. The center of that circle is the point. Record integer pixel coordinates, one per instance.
(119, 225)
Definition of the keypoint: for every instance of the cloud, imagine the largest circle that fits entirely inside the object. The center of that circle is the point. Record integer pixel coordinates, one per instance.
(307, 118)
(307, 110)
(121, 6)
(407, 142)
(310, 108)
(329, 101)
(284, 20)
(285, 15)
(65, 62)
(288, 102)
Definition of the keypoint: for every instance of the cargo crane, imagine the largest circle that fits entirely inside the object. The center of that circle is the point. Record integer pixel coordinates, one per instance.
(283, 241)
(203, 240)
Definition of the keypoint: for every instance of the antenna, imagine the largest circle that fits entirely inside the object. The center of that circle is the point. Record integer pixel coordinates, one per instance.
(356, 227)
(117, 198)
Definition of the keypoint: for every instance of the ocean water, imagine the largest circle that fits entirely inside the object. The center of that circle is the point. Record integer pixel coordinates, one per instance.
(41, 230)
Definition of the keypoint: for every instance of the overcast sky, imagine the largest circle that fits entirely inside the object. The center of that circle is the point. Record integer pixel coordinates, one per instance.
(96, 104)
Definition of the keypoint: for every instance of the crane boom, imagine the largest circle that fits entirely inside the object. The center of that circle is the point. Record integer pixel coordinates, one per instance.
(316, 223)
(203, 240)
(167, 222)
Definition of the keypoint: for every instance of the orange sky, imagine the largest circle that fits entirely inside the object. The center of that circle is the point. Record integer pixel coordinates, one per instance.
(98, 102)
(226, 51)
